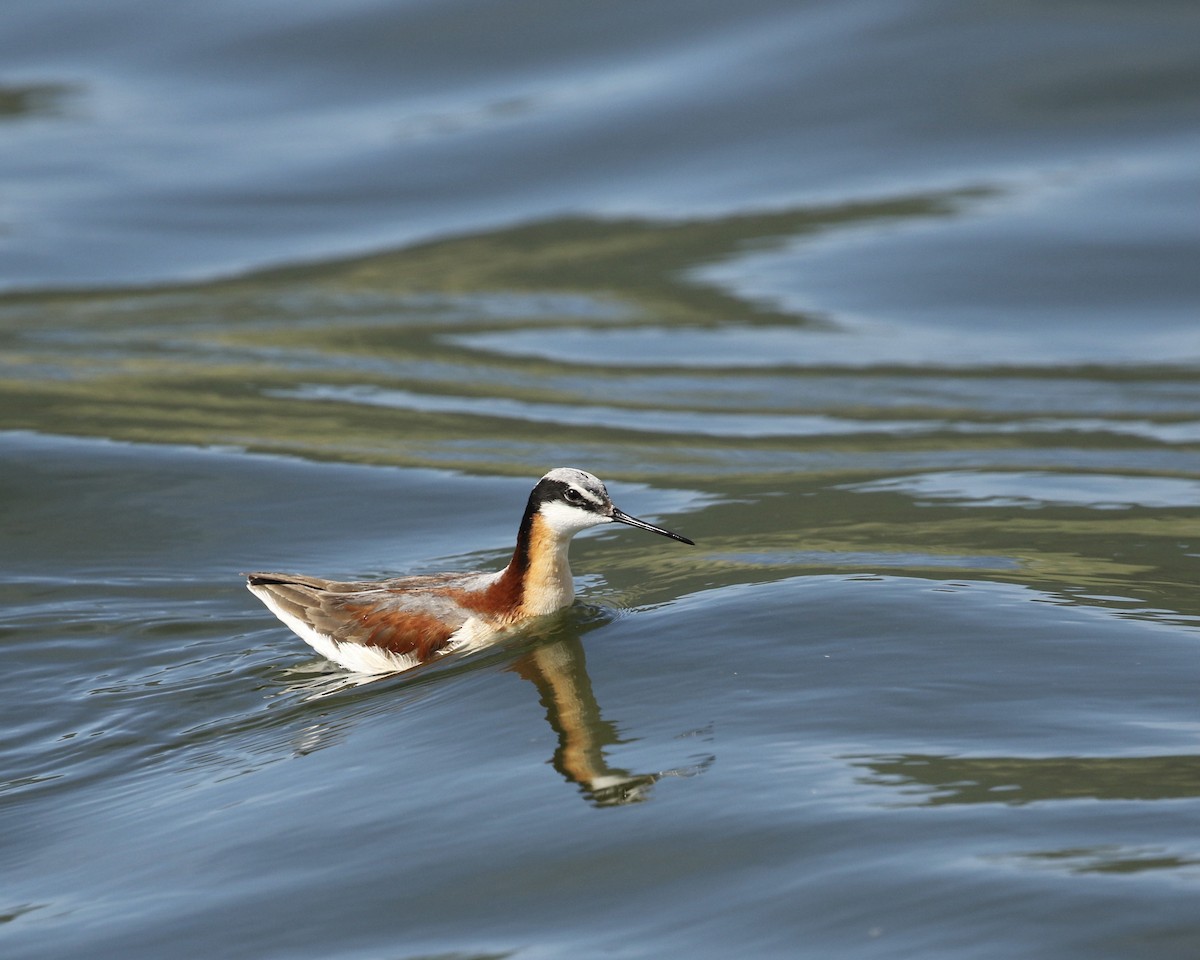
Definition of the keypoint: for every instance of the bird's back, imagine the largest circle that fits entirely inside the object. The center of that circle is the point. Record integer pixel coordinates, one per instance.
(368, 625)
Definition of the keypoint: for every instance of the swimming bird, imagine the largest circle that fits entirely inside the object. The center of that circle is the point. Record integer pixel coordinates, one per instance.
(386, 626)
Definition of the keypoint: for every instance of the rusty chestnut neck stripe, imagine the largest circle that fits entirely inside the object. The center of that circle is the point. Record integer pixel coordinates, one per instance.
(508, 593)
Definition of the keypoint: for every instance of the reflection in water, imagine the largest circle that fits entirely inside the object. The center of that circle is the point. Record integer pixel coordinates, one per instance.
(390, 326)
(1056, 477)
(556, 666)
(1015, 780)
(559, 672)
(35, 99)
(1110, 858)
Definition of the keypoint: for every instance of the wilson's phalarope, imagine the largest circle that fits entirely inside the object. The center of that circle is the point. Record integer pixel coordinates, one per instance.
(386, 626)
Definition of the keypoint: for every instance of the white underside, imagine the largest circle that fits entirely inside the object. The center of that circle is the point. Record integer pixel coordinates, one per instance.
(359, 658)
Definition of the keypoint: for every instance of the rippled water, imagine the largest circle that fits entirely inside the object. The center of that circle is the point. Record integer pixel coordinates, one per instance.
(893, 308)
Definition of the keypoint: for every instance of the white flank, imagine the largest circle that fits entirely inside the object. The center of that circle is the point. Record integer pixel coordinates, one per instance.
(352, 656)
(475, 634)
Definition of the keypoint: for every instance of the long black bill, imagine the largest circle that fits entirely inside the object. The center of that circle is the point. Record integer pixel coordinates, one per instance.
(622, 517)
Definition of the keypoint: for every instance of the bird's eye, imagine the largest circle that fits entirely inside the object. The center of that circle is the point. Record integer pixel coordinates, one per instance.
(573, 496)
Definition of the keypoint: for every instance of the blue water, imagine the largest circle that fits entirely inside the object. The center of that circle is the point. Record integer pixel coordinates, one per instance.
(892, 307)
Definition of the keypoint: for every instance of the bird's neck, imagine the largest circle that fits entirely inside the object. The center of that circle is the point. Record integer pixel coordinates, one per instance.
(537, 579)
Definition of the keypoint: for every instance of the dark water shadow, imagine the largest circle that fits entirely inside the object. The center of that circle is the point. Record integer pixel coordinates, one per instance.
(937, 781)
(933, 781)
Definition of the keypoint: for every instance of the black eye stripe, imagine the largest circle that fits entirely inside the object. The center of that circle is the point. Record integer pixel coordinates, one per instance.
(577, 499)
(568, 493)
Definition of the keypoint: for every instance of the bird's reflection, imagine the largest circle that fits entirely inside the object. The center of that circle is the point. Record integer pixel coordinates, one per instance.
(553, 661)
(559, 671)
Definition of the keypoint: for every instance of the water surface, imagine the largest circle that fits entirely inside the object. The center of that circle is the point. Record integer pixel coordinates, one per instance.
(891, 307)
